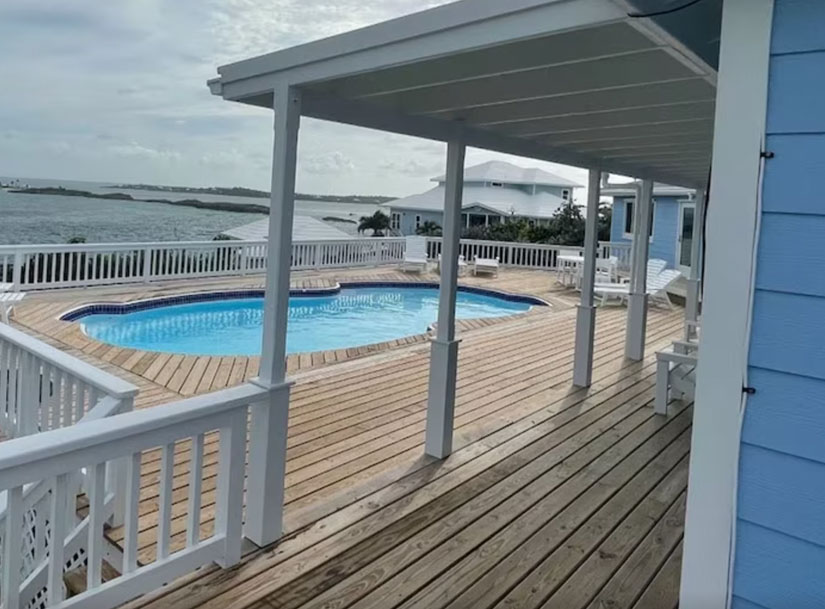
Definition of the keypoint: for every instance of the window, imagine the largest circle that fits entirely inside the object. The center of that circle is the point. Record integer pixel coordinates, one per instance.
(493, 219)
(628, 218)
(395, 220)
(417, 222)
(565, 194)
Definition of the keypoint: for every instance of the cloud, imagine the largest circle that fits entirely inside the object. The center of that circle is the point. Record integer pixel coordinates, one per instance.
(133, 150)
(413, 167)
(330, 163)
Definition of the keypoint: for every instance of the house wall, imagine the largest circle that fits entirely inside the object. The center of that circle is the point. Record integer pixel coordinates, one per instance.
(408, 219)
(665, 226)
(779, 557)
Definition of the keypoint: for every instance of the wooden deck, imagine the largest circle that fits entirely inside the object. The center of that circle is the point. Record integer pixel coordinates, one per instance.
(554, 497)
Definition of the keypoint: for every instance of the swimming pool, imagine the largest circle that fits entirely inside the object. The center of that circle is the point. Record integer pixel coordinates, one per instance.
(350, 317)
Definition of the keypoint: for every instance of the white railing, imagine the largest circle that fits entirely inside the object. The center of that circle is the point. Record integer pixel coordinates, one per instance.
(43, 388)
(32, 267)
(37, 267)
(52, 459)
(527, 255)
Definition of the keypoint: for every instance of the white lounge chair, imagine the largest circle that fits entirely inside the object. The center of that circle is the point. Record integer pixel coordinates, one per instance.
(657, 286)
(485, 265)
(462, 264)
(7, 302)
(415, 255)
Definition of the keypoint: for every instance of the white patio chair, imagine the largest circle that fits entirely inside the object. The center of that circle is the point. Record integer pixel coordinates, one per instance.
(462, 264)
(607, 270)
(7, 302)
(675, 375)
(485, 265)
(415, 254)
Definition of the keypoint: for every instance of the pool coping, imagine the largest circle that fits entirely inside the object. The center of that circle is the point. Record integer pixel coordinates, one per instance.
(123, 308)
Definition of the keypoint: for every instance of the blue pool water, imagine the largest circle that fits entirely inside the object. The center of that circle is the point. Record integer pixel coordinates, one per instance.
(349, 318)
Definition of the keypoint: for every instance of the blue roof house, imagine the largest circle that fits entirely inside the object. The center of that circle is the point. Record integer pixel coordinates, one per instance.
(671, 221)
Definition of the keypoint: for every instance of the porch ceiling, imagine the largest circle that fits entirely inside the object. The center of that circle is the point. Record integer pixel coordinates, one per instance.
(572, 81)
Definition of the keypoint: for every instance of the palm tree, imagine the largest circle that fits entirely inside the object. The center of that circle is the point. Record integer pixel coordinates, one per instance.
(429, 229)
(377, 223)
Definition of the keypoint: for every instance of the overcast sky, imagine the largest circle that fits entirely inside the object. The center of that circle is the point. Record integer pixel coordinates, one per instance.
(115, 90)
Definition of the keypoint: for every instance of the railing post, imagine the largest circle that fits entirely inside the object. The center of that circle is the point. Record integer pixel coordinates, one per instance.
(243, 260)
(316, 257)
(17, 274)
(147, 264)
(116, 474)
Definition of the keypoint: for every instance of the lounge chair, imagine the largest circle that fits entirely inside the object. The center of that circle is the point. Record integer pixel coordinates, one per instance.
(657, 285)
(415, 255)
(607, 270)
(7, 302)
(485, 265)
(675, 375)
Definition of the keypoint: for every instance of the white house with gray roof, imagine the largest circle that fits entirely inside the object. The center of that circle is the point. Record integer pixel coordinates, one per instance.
(493, 191)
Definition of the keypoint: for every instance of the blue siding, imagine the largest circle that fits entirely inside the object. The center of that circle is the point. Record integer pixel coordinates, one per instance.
(780, 535)
(665, 227)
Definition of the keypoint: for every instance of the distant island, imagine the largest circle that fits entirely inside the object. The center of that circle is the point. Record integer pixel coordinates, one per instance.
(121, 196)
(216, 205)
(239, 191)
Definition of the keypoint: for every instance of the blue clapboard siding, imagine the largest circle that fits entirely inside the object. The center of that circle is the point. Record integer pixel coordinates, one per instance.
(665, 227)
(780, 535)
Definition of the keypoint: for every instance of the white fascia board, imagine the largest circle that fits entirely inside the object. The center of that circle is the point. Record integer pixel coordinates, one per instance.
(453, 28)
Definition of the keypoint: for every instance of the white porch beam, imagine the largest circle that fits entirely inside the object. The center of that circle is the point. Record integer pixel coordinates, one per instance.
(694, 279)
(268, 428)
(637, 299)
(586, 313)
(444, 347)
(728, 284)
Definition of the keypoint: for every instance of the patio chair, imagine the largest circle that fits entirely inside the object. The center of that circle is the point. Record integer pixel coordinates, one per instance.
(607, 270)
(485, 265)
(415, 254)
(7, 302)
(462, 264)
(675, 375)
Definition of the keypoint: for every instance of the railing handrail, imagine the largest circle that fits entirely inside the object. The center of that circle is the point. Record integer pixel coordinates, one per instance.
(53, 452)
(33, 248)
(105, 382)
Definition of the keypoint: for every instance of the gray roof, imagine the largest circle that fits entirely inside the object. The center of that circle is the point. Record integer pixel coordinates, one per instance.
(304, 228)
(503, 201)
(507, 173)
(659, 190)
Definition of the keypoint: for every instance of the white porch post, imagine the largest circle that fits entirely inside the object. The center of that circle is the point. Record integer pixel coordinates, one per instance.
(444, 349)
(637, 299)
(586, 313)
(694, 280)
(268, 429)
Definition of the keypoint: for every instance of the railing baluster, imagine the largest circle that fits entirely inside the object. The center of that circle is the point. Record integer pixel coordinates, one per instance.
(193, 522)
(97, 516)
(167, 465)
(12, 550)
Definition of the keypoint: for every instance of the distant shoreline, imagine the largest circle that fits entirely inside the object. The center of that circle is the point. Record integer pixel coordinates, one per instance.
(253, 208)
(239, 191)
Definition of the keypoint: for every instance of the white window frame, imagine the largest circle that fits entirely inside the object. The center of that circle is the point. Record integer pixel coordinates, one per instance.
(565, 194)
(629, 206)
(741, 104)
(395, 220)
(417, 221)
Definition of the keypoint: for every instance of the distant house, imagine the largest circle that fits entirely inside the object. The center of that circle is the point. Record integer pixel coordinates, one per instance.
(304, 228)
(493, 191)
(671, 226)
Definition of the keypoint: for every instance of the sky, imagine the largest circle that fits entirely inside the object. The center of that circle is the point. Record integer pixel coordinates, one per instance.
(115, 91)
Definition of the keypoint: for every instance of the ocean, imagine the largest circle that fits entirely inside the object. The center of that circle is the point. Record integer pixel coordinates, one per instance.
(56, 219)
